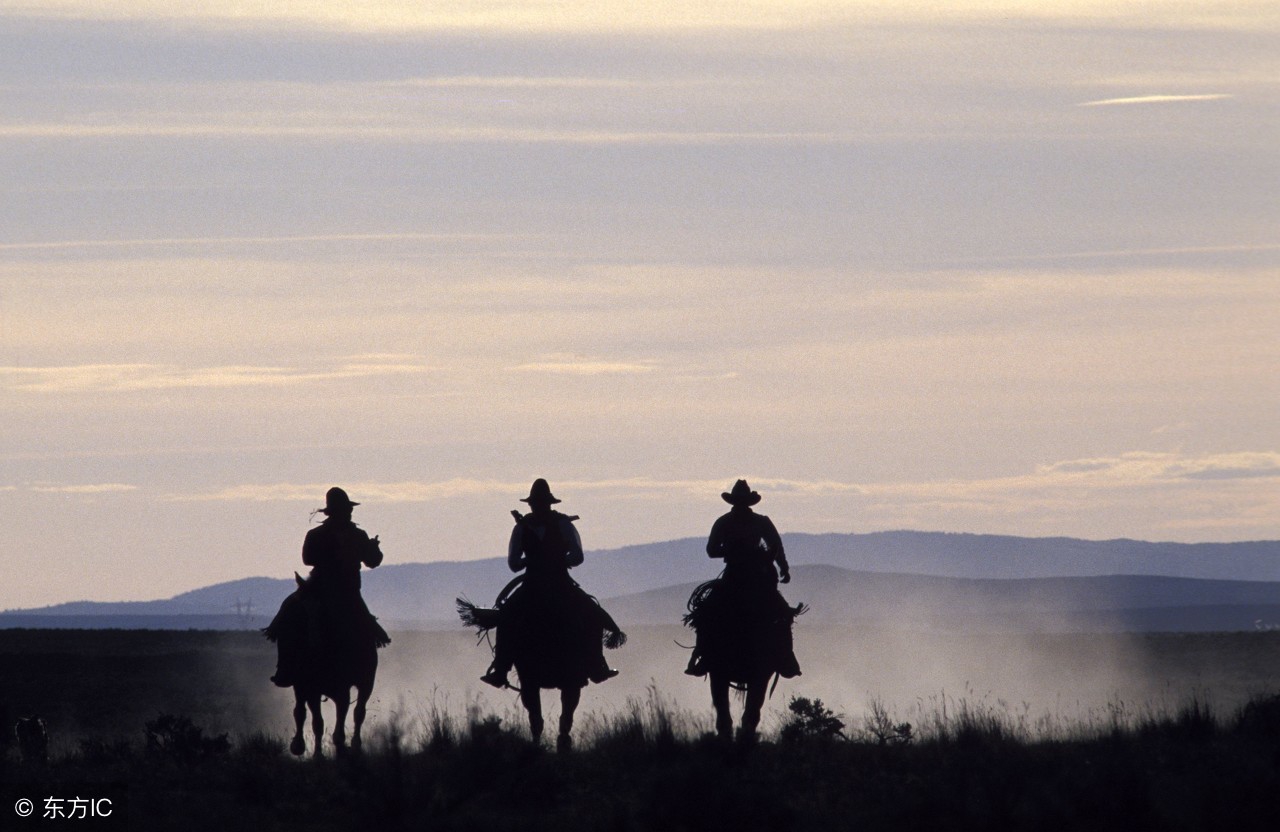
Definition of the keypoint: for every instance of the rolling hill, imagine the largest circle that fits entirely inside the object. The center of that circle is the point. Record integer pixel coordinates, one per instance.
(890, 578)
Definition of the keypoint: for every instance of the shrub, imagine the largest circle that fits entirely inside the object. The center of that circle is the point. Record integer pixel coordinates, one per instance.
(178, 738)
(811, 720)
(881, 727)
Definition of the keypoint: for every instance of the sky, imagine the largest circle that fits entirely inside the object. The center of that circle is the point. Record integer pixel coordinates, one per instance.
(995, 267)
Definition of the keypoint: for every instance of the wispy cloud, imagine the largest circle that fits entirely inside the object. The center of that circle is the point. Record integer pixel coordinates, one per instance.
(387, 492)
(1156, 99)
(301, 239)
(394, 133)
(616, 15)
(93, 488)
(126, 378)
(1131, 470)
(1141, 468)
(569, 365)
(421, 492)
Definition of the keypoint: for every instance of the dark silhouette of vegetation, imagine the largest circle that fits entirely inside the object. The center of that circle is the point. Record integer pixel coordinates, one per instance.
(651, 767)
(178, 737)
(811, 720)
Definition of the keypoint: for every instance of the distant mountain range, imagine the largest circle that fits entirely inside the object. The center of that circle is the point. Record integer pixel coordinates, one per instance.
(909, 580)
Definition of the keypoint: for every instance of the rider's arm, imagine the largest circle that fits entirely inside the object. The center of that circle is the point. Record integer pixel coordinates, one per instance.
(573, 557)
(372, 553)
(311, 550)
(515, 550)
(715, 542)
(773, 540)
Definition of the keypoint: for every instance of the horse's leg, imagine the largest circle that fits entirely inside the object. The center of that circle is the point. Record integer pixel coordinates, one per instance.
(756, 690)
(362, 698)
(317, 723)
(340, 705)
(298, 746)
(569, 698)
(720, 701)
(531, 697)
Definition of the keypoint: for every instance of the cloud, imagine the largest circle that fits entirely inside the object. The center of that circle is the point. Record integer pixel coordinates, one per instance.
(386, 492)
(164, 242)
(1155, 99)
(1142, 468)
(443, 135)
(422, 492)
(128, 378)
(97, 488)
(569, 365)
(619, 15)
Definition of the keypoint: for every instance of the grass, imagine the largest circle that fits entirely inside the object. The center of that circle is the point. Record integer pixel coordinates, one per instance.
(965, 764)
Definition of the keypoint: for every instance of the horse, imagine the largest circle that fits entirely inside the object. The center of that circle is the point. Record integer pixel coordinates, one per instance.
(557, 650)
(33, 739)
(348, 661)
(744, 642)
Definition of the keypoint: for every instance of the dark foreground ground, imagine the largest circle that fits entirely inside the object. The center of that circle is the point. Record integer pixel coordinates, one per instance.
(171, 728)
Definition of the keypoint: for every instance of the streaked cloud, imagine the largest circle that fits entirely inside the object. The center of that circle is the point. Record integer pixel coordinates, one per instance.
(1131, 470)
(1140, 466)
(615, 15)
(127, 378)
(1156, 99)
(90, 489)
(574, 366)
(389, 492)
(372, 132)
(302, 239)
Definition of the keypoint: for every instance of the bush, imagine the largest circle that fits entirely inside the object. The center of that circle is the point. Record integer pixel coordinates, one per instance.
(811, 720)
(178, 738)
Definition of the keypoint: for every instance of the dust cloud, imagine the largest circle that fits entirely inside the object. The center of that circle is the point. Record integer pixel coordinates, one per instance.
(1048, 683)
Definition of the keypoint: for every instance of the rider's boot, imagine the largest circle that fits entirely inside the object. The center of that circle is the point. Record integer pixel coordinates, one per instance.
(697, 665)
(496, 676)
(601, 672)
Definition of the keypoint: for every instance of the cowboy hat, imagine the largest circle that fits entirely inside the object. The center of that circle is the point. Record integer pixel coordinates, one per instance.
(539, 492)
(741, 495)
(335, 499)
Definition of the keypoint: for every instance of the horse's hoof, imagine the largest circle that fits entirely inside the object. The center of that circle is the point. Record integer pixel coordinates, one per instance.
(564, 744)
(298, 747)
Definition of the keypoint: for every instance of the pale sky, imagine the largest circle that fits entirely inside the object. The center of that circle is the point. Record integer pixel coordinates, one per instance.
(1000, 267)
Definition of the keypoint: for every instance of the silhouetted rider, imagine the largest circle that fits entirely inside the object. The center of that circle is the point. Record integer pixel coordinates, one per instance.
(336, 549)
(750, 546)
(748, 542)
(545, 545)
(328, 608)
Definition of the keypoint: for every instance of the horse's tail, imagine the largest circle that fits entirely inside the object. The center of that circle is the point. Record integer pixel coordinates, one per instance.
(482, 618)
